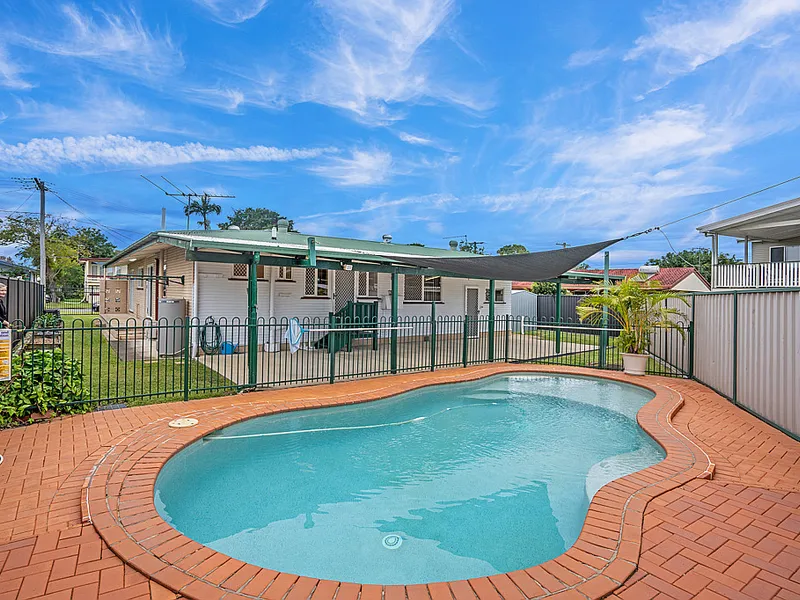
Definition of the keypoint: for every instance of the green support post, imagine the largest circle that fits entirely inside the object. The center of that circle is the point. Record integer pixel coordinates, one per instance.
(691, 341)
(433, 336)
(252, 318)
(604, 333)
(491, 320)
(186, 357)
(331, 348)
(558, 318)
(395, 295)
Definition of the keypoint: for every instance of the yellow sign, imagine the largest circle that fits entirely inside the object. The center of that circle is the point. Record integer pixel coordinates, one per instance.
(5, 354)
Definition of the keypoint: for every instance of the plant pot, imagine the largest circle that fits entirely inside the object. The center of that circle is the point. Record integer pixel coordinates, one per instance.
(634, 364)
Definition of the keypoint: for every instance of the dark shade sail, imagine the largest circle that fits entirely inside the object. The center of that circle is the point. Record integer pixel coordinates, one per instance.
(533, 266)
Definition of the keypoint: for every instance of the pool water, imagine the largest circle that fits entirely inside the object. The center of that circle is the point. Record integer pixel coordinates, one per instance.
(443, 483)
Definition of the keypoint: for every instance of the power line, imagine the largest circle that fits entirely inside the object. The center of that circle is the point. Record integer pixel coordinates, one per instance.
(91, 220)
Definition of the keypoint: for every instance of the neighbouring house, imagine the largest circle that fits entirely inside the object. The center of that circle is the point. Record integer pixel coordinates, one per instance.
(94, 272)
(771, 243)
(677, 279)
(8, 266)
(213, 266)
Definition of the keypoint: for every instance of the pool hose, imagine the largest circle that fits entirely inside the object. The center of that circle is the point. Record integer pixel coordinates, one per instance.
(210, 345)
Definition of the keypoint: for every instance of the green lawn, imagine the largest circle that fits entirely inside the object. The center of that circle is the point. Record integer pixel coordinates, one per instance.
(590, 339)
(134, 381)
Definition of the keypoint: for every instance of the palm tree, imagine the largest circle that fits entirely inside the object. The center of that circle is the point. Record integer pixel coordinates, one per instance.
(202, 207)
(638, 307)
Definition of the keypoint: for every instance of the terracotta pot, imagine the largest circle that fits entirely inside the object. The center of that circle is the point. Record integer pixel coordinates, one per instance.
(634, 364)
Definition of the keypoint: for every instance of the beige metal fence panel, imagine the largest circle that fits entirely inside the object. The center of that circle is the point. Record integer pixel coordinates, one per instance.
(768, 356)
(713, 341)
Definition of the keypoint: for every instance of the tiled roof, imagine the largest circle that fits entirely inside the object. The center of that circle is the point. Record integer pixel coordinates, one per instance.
(667, 277)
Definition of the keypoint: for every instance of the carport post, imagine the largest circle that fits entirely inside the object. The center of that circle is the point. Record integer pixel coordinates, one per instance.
(491, 320)
(252, 318)
(558, 318)
(604, 331)
(393, 338)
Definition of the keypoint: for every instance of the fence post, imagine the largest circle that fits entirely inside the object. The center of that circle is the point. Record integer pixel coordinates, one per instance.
(465, 348)
(691, 339)
(331, 348)
(558, 318)
(393, 338)
(735, 338)
(508, 339)
(252, 319)
(491, 320)
(433, 336)
(186, 356)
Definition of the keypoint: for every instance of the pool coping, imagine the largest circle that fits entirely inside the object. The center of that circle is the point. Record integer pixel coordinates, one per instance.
(118, 499)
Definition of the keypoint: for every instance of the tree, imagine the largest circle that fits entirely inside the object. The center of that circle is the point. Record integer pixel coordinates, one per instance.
(93, 242)
(202, 207)
(254, 218)
(693, 257)
(545, 288)
(583, 267)
(512, 249)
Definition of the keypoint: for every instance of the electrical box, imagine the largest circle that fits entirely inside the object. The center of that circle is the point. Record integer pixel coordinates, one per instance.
(114, 296)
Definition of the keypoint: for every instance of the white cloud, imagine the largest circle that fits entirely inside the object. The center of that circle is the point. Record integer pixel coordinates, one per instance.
(435, 201)
(682, 44)
(11, 73)
(414, 139)
(117, 42)
(232, 12)
(375, 60)
(362, 168)
(584, 58)
(118, 151)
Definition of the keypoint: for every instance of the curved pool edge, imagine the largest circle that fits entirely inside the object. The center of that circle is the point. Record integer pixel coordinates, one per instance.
(118, 496)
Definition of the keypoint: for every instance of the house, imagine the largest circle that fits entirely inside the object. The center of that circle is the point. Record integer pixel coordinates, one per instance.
(209, 271)
(678, 279)
(771, 242)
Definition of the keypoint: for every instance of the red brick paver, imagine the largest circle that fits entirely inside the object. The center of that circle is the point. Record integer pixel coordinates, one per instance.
(77, 518)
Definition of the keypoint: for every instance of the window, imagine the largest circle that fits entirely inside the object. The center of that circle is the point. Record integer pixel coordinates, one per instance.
(368, 285)
(418, 289)
(777, 254)
(140, 280)
(316, 283)
(284, 273)
(240, 271)
(499, 294)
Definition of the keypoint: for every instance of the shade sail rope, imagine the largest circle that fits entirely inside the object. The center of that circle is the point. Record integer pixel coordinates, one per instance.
(345, 428)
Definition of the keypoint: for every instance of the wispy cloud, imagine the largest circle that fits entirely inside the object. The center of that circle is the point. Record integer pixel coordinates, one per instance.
(683, 43)
(118, 151)
(117, 42)
(362, 168)
(584, 58)
(414, 139)
(382, 202)
(375, 60)
(11, 73)
(231, 12)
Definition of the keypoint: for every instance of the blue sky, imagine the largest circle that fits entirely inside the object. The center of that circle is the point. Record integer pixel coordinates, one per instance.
(514, 122)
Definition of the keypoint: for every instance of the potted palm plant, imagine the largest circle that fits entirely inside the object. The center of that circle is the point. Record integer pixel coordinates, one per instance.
(637, 308)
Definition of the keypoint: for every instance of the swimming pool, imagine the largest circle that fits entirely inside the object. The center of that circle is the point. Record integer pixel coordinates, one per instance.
(443, 483)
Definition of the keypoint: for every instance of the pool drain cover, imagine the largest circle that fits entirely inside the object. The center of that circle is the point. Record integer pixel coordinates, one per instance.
(184, 422)
(392, 541)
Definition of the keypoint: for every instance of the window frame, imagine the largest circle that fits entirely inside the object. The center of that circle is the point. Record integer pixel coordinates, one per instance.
(428, 292)
(140, 280)
(282, 274)
(783, 254)
(370, 277)
(499, 295)
(321, 289)
(261, 272)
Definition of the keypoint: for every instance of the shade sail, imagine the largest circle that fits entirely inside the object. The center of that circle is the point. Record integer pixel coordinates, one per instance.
(533, 266)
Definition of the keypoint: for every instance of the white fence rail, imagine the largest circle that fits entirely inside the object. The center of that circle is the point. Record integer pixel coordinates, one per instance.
(757, 275)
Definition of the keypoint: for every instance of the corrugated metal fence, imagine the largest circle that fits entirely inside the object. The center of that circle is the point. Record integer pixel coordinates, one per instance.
(747, 348)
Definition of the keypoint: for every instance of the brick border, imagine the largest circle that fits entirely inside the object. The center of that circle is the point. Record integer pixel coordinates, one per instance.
(117, 498)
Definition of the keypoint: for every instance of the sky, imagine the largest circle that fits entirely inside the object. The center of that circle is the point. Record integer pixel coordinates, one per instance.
(509, 122)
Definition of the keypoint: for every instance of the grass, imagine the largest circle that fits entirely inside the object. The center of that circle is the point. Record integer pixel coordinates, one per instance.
(590, 339)
(110, 379)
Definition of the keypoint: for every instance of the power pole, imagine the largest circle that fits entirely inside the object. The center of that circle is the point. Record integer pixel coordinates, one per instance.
(189, 196)
(42, 253)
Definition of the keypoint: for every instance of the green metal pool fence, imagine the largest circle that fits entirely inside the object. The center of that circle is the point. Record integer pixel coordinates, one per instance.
(125, 362)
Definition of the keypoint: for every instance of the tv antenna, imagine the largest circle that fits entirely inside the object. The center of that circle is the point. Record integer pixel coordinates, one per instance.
(185, 198)
(563, 244)
(465, 243)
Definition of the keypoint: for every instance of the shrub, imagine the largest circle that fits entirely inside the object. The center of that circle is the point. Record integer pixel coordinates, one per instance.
(42, 381)
(47, 321)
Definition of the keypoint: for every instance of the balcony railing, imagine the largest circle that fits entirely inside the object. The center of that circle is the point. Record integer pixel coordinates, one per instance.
(757, 275)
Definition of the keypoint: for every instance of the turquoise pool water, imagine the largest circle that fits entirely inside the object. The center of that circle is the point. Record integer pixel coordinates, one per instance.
(443, 483)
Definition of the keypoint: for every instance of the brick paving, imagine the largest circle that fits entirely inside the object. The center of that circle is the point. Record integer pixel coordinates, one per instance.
(661, 533)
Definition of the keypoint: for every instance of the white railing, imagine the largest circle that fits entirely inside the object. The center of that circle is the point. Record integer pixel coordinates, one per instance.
(757, 275)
